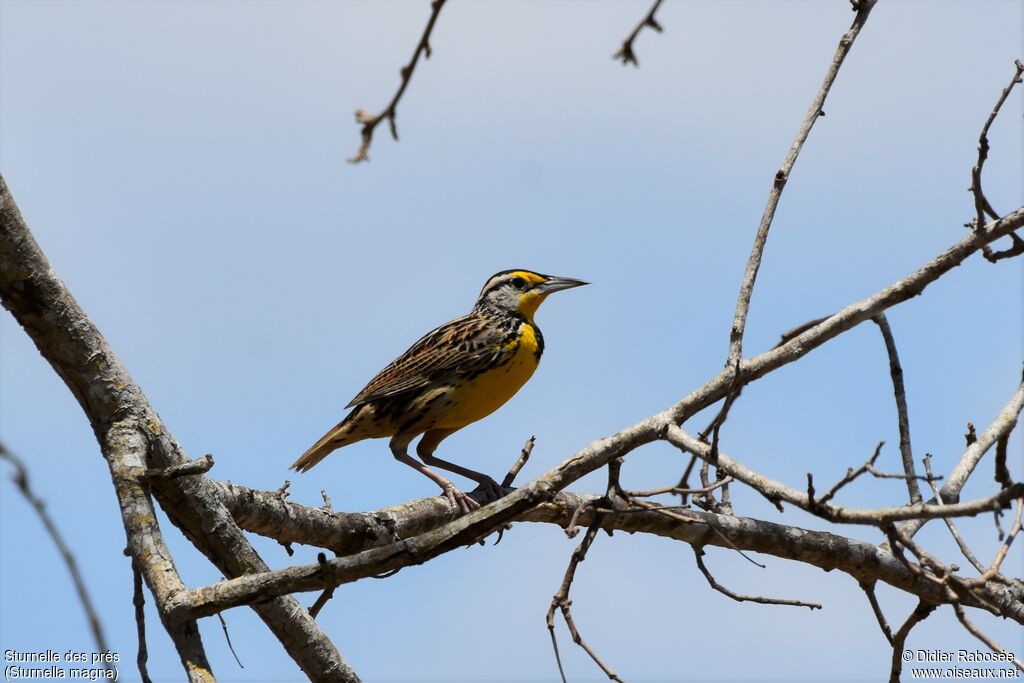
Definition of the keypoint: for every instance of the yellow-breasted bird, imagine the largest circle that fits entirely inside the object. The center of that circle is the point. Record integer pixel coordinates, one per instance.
(455, 375)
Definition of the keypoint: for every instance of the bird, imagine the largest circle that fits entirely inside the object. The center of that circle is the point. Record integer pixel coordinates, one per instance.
(455, 375)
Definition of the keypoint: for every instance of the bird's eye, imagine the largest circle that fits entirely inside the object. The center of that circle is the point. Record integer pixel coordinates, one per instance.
(518, 282)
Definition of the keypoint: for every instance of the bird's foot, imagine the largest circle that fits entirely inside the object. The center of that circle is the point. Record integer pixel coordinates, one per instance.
(459, 499)
(491, 489)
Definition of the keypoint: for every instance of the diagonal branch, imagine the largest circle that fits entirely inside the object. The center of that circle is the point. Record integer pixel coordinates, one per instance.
(869, 590)
(369, 120)
(1001, 426)
(977, 633)
(739, 322)
(626, 53)
(134, 440)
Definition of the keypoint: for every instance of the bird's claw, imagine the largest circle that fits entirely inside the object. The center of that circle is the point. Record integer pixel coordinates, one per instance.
(491, 489)
(460, 500)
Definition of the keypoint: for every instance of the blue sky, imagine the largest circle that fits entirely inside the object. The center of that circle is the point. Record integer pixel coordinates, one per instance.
(182, 165)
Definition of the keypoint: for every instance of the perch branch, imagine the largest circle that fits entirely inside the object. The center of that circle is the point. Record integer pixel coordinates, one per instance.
(354, 533)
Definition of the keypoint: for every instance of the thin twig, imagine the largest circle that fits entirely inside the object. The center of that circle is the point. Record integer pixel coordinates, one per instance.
(625, 53)
(981, 203)
(900, 392)
(139, 601)
(993, 569)
(227, 637)
(21, 480)
(676, 490)
(315, 608)
(964, 549)
(679, 513)
(775, 491)
(369, 120)
(185, 469)
(1002, 473)
(684, 481)
(698, 553)
(869, 590)
(993, 645)
(561, 602)
(919, 614)
(852, 474)
(524, 455)
(863, 8)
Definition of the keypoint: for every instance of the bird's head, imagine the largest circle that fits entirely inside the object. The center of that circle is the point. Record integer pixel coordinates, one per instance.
(522, 291)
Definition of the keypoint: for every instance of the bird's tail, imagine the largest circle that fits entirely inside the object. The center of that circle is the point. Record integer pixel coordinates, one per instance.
(340, 435)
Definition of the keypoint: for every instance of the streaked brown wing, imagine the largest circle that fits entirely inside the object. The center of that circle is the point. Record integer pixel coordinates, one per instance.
(461, 346)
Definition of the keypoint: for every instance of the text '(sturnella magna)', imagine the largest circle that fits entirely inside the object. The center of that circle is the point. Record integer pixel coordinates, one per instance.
(453, 376)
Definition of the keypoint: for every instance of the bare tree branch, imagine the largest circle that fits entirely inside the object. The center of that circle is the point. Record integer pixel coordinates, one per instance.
(869, 590)
(134, 440)
(698, 553)
(626, 53)
(976, 632)
(561, 602)
(739, 322)
(964, 549)
(900, 392)
(369, 120)
(899, 640)
(518, 465)
(773, 490)
(351, 533)
(981, 203)
(139, 602)
(1002, 425)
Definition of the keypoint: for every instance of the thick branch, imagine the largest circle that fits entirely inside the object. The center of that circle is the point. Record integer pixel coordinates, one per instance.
(260, 512)
(134, 440)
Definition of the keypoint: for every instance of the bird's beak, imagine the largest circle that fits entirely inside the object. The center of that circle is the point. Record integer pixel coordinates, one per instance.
(557, 284)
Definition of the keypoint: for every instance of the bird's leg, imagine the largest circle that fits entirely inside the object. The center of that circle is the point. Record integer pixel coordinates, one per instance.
(456, 497)
(425, 449)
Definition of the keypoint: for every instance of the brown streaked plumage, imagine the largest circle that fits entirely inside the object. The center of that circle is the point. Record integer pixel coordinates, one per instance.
(453, 376)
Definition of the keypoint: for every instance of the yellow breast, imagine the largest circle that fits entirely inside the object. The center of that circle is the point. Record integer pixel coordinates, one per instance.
(477, 398)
